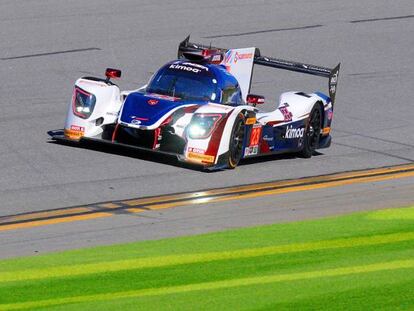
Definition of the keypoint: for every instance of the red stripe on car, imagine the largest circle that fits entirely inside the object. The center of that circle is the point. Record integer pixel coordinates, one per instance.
(215, 139)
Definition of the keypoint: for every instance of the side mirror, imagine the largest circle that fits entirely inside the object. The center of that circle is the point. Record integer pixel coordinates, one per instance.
(111, 73)
(255, 100)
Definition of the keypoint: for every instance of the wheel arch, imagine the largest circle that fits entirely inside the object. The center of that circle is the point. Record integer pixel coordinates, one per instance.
(320, 103)
(225, 138)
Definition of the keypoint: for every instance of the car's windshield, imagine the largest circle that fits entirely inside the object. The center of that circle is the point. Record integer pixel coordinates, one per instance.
(184, 85)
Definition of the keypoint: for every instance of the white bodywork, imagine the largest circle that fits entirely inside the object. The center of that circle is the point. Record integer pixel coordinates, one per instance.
(201, 145)
(298, 105)
(239, 62)
(107, 106)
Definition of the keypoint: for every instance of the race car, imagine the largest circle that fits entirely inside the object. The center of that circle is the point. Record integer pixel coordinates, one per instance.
(199, 108)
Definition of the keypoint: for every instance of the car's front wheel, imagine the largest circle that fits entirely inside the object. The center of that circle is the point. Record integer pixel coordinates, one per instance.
(236, 142)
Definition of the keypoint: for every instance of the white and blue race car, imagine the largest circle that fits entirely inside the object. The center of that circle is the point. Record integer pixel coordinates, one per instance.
(199, 108)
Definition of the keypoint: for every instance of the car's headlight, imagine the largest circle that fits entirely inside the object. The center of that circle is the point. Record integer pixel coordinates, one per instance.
(202, 125)
(82, 103)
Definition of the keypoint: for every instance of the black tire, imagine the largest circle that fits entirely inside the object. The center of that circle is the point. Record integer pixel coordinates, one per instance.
(236, 142)
(108, 130)
(312, 132)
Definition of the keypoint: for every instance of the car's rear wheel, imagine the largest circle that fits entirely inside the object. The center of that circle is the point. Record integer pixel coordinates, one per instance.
(236, 142)
(312, 132)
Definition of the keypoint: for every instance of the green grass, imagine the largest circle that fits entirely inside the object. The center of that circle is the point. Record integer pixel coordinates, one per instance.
(361, 261)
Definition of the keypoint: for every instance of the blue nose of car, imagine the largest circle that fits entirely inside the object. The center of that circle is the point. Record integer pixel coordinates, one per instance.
(147, 109)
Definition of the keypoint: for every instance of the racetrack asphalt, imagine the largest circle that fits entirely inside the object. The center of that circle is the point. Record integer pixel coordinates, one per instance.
(47, 45)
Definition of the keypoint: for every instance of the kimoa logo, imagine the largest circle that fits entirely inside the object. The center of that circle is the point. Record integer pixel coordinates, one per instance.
(186, 68)
(294, 133)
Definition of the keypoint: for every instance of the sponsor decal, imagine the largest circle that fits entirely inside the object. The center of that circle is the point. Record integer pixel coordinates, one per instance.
(294, 133)
(152, 102)
(326, 130)
(196, 150)
(250, 121)
(227, 57)
(197, 66)
(334, 78)
(216, 58)
(255, 135)
(240, 56)
(75, 132)
(227, 60)
(113, 113)
(77, 128)
(287, 115)
(185, 68)
(137, 120)
(330, 114)
(200, 157)
(163, 96)
(333, 82)
(267, 138)
(252, 150)
(157, 138)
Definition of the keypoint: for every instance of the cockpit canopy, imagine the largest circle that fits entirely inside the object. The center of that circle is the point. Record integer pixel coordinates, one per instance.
(190, 81)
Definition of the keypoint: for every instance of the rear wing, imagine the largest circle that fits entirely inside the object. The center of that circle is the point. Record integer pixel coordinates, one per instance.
(331, 73)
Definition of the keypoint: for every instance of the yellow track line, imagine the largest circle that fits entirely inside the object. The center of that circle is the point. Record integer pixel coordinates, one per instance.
(280, 191)
(210, 196)
(66, 212)
(323, 178)
(38, 223)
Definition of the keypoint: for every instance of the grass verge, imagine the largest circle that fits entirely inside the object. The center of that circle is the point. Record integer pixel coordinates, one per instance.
(359, 261)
